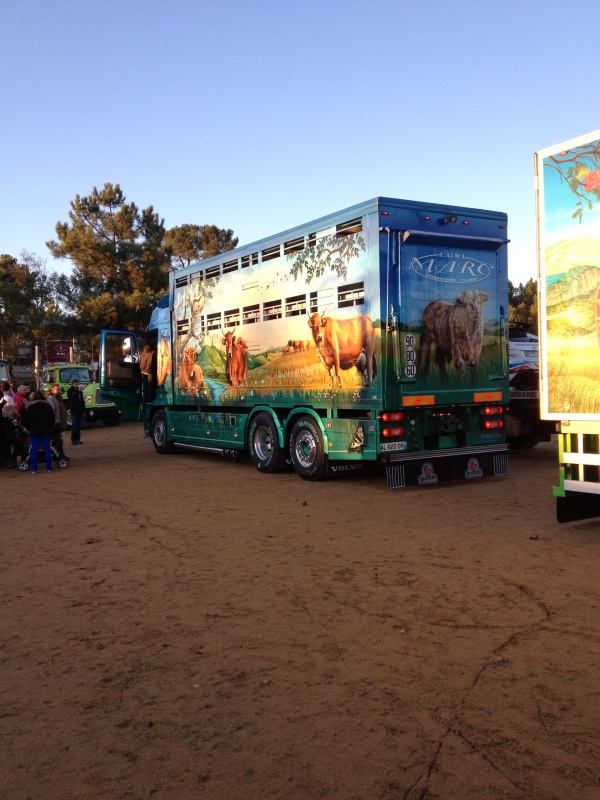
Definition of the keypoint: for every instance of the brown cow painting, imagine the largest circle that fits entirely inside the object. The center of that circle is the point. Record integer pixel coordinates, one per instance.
(237, 361)
(190, 374)
(454, 331)
(345, 343)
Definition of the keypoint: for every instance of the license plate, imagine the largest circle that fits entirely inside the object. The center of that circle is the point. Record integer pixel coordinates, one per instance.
(387, 446)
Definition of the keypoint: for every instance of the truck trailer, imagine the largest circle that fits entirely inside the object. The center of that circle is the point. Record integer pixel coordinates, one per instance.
(568, 228)
(377, 334)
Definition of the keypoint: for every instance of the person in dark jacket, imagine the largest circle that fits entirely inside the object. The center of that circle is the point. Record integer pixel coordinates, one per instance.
(39, 421)
(11, 445)
(76, 403)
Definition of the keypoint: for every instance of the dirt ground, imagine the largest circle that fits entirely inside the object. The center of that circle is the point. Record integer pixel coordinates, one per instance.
(182, 626)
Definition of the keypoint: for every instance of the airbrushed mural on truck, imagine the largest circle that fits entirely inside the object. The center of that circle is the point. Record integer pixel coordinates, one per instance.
(570, 279)
(452, 331)
(257, 333)
(308, 324)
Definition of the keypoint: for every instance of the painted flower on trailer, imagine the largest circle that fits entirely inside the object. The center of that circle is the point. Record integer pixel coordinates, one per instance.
(592, 181)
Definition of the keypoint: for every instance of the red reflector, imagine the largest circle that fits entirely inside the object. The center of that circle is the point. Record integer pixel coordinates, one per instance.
(466, 222)
(492, 423)
(392, 416)
(427, 218)
(385, 213)
(387, 432)
(490, 410)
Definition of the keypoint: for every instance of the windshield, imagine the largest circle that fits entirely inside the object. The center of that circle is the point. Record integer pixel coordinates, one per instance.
(4, 371)
(70, 374)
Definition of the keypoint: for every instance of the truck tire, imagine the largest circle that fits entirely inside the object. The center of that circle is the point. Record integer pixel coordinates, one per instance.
(159, 432)
(307, 450)
(263, 444)
(110, 422)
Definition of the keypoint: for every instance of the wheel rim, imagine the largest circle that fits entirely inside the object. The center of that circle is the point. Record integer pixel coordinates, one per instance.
(263, 443)
(160, 433)
(306, 449)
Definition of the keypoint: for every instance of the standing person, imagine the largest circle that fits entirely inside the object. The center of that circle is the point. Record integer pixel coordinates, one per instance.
(57, 404)
(7, 394)
(77, 408)
(20, 398)
(12, 447)
(39, 421)
(5, 449)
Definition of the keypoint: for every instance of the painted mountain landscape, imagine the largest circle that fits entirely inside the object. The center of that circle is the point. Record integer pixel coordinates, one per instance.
(573, 278)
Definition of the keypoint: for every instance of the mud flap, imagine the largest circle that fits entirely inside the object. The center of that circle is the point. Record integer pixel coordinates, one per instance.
(427, 469)
(395, 476)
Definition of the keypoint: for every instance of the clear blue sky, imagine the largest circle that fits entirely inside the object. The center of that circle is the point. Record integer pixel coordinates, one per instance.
(259, 115)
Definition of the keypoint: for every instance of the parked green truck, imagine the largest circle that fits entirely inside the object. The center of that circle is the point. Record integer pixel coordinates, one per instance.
(97, 409)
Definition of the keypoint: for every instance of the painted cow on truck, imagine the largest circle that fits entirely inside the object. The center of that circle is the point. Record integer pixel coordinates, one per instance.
(190, 375)
(237, 362)
(455, 330)
(345, 343)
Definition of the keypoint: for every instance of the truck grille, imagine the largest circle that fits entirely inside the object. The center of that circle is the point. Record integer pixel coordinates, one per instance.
(100, 401)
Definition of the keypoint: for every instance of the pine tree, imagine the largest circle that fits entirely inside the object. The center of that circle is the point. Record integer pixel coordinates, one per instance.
(189, 243)
(120, 262)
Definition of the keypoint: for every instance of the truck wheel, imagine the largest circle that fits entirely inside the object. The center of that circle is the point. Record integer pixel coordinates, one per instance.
(263, 444)
(112, 421)
(160, 434)
(307, 450)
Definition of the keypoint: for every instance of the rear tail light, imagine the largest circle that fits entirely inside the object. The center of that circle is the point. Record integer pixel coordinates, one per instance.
(488, 424)
(489, 411)
(392, 416)
(491, 417)
(390, 432)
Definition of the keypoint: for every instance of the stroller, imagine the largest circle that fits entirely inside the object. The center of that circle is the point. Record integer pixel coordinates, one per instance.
(58, 457)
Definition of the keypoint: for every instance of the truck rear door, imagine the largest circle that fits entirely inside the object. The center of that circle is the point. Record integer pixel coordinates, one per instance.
(453, 308)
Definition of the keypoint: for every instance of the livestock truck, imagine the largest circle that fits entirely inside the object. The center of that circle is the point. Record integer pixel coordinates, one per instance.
(568, 228)
(375, 334)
